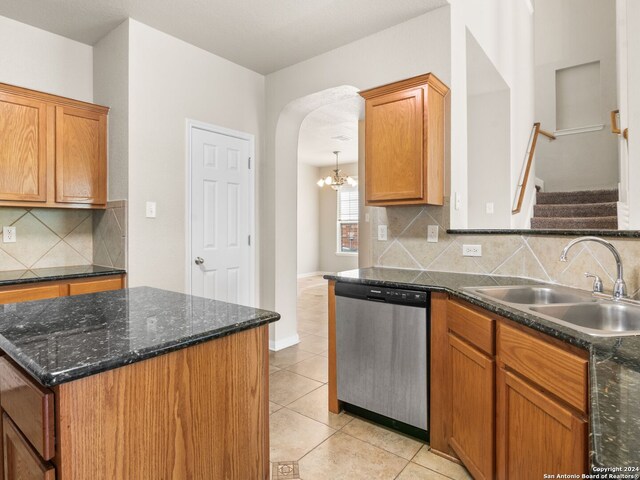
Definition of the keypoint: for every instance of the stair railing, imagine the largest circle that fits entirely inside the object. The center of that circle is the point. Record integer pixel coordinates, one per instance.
(526, 165)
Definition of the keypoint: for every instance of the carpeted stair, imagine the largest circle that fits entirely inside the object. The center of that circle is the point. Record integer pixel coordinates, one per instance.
(585, 210)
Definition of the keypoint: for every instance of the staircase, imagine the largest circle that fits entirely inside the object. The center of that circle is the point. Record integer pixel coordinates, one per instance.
(583, 210)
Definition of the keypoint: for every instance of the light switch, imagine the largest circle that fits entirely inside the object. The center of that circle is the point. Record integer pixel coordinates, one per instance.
(489, 208)
(472, 250)
(432, 234)
(9, 234)
(382, 233)
(151, 209)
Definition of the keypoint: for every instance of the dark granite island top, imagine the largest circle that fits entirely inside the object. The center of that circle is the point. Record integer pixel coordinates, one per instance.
(614, 361)
(20, 277)
(68, 338)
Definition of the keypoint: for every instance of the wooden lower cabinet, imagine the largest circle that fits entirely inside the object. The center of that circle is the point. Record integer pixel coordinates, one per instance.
(198, 413)
(537, 435)
(21, 462)
(473, 407)
(507, 401)
(60, 288)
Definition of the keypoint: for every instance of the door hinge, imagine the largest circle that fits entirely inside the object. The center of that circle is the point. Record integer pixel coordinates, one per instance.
(249, 240)
(249, 161)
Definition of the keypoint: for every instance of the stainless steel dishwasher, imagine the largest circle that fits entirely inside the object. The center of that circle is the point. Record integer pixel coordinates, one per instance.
(382, 338)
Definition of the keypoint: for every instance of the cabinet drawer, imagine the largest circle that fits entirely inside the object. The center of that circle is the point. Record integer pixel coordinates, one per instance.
(29, 294)
(95, 286)
(21, 462)
(559, 372)
(30, 407)
(476, 328)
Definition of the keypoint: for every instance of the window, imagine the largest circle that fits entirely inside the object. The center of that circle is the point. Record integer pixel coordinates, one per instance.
(348, 219)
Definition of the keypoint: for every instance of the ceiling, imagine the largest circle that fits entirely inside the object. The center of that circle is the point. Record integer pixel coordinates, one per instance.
(261, 35)
(329, 128)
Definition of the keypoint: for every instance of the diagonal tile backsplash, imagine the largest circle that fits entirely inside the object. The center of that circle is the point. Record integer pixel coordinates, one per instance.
(530, 256)
(65, 237)
(47, 238)
(110, 235)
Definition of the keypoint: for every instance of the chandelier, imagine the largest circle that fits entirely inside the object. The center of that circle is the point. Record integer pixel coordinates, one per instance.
(336, 180)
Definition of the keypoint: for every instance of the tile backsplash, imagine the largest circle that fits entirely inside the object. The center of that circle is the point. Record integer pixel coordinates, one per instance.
(64, 237)
(110, 235)
(531, 256)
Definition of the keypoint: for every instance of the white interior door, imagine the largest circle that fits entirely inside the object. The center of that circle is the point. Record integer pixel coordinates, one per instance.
(221, 217)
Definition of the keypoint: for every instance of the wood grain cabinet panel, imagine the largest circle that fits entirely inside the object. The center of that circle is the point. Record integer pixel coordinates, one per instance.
(20, 461)
(53, 150)
(473, 407)
(30, 406)
(405, 142)
(81, 160)
(536, 434)
(23, 149)
(81, 288)
(28, 294)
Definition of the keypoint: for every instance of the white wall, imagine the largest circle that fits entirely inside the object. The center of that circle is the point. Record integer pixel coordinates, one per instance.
(633, 109)
(570, 33)
(414, 47)
(330, 261)
(36, 59)
(172, 81)
(489, 162)
(504, 30)
(111, 87)
(308, 219)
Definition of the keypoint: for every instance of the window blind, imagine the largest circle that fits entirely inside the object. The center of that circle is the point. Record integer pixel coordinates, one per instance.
(348, 204)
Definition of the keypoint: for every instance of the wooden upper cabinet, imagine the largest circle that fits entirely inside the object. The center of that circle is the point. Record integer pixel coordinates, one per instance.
(405, 142)
(80, 156)
(53, 150)
(23, 149)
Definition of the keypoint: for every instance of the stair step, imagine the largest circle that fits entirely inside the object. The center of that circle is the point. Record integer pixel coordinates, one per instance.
(572, 223)
(609, 209)
(580, 197)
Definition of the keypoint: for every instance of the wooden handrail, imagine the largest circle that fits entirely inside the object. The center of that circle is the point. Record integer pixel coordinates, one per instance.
(523, 185)
(549, 135)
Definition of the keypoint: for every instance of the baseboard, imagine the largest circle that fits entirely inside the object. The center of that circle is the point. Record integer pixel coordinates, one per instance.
(311, 274)
(284, 343)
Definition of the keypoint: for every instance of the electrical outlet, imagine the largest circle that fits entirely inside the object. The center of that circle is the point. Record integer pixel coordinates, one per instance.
(382, 233)
(489, 208)
(9, 234)
(151, 209)
(472, 250)
(432, 233)
(458, 201)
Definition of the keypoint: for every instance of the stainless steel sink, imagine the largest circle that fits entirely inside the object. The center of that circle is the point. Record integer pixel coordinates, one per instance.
(577, 309)
(604, 319)
(535, 295)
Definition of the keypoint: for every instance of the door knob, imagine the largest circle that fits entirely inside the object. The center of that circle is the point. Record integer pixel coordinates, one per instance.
(199, 260)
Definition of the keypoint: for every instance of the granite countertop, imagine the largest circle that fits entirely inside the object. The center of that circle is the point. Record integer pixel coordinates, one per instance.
(614, 361)
(18, 277)
(68, 338)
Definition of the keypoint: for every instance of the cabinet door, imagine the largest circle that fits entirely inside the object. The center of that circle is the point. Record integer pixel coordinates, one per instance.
(81, 156)
(29, 294)
(94, 286)
(20, 461)
(23, 149)
(536, 435)
(394, 128)
(472, 402)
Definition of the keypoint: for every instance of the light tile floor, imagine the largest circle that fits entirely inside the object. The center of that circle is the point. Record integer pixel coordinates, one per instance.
(329, 446)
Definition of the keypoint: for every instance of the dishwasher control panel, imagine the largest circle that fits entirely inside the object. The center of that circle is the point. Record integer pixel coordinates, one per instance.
(382, 294)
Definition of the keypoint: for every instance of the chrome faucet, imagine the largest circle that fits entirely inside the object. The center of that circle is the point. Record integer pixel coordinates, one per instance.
(620, 288)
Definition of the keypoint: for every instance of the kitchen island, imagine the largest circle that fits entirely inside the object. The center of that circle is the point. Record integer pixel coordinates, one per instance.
(138, 383)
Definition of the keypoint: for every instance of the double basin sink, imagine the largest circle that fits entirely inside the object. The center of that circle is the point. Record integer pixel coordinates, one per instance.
(574, 308)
